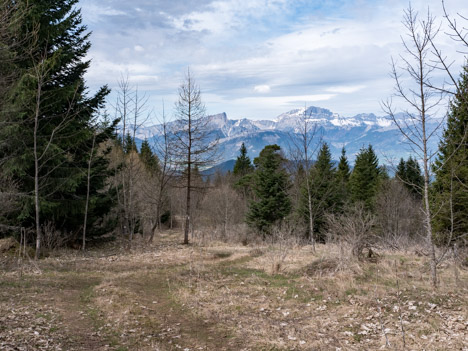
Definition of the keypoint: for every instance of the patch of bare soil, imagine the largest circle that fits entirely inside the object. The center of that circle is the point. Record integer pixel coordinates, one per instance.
(45, 311)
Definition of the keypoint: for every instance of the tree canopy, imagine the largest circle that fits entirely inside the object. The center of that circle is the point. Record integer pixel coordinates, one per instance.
(54, 119)
(449, 191)
(365, 178)
(270, 186)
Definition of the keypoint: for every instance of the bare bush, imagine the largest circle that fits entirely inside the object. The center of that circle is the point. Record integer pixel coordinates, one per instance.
(355, 228)
(52, 238)
(236, 233)
(223, 208)
(399, 216)
(282, 240)
(8, 196)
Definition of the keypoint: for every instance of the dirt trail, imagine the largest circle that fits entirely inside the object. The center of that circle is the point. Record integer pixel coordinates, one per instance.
(78, 325)
(169, 296)
(128, 302)
(46, 312)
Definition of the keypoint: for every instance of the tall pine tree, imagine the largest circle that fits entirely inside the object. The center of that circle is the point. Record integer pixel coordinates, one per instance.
(365, 178)
(449, 190)
(409, 172)
(401, 170)
(243, 164)
(148, 158)
(270, 186)
(53, 127)
(343, 173)
(324, 196)
(243, 169)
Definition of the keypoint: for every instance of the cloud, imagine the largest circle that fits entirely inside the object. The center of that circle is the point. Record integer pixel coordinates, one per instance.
(335, 54)
(262, 89)
(222, 16)
(345, 89)
(286, 101)
(95, 13)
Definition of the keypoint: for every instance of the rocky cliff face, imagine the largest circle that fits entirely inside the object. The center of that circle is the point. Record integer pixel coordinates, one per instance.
(338, 131)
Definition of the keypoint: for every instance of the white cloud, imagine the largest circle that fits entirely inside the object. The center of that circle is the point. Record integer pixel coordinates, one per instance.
(338, 58)
(95, 13)
(262, 89)
(285, 101)
(345, 89)
(138, 48)
(221, 16)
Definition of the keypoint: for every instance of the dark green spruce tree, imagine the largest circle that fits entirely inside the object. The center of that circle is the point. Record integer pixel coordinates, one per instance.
(324, 196)
(365, 178)
(9, 76)
(343, 173)
(401, 170)
(450, 189)
(270, 187)
(52, 130)
(409, 172)
(343, 170)
(243, 164)
(243, 169)
(130, 145)
(148, 158)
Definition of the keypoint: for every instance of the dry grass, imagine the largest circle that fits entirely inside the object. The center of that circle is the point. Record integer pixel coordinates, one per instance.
(167, 296)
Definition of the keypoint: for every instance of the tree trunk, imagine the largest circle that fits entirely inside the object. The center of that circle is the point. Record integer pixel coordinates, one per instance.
(428, 217)
(37, 207)
(311, 218)
(85, 223)
(36, 174)
(428, 221)
(225, 216)
(156, 224)
(187, 205)
(170, 206)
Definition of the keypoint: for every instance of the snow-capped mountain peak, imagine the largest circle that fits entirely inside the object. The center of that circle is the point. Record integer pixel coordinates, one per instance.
(353, 132)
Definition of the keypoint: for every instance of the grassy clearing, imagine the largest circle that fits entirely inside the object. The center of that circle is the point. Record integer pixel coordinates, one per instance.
(224, 297)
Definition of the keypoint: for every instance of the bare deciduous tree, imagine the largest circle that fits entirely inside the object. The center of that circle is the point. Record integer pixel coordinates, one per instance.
(88, 186)
(131, 110)
(223, 207)
(195, 148)
(459, 34)
(43, 137)
(164, 174)
(302, 148)
(413, 86)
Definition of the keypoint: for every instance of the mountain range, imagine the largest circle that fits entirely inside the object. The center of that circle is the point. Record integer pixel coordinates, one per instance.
(353, 133)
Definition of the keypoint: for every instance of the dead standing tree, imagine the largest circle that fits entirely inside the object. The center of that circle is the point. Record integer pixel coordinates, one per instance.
(418, 124)
(195, 147)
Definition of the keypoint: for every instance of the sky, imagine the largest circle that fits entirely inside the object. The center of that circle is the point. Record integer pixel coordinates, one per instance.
(255, 58)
